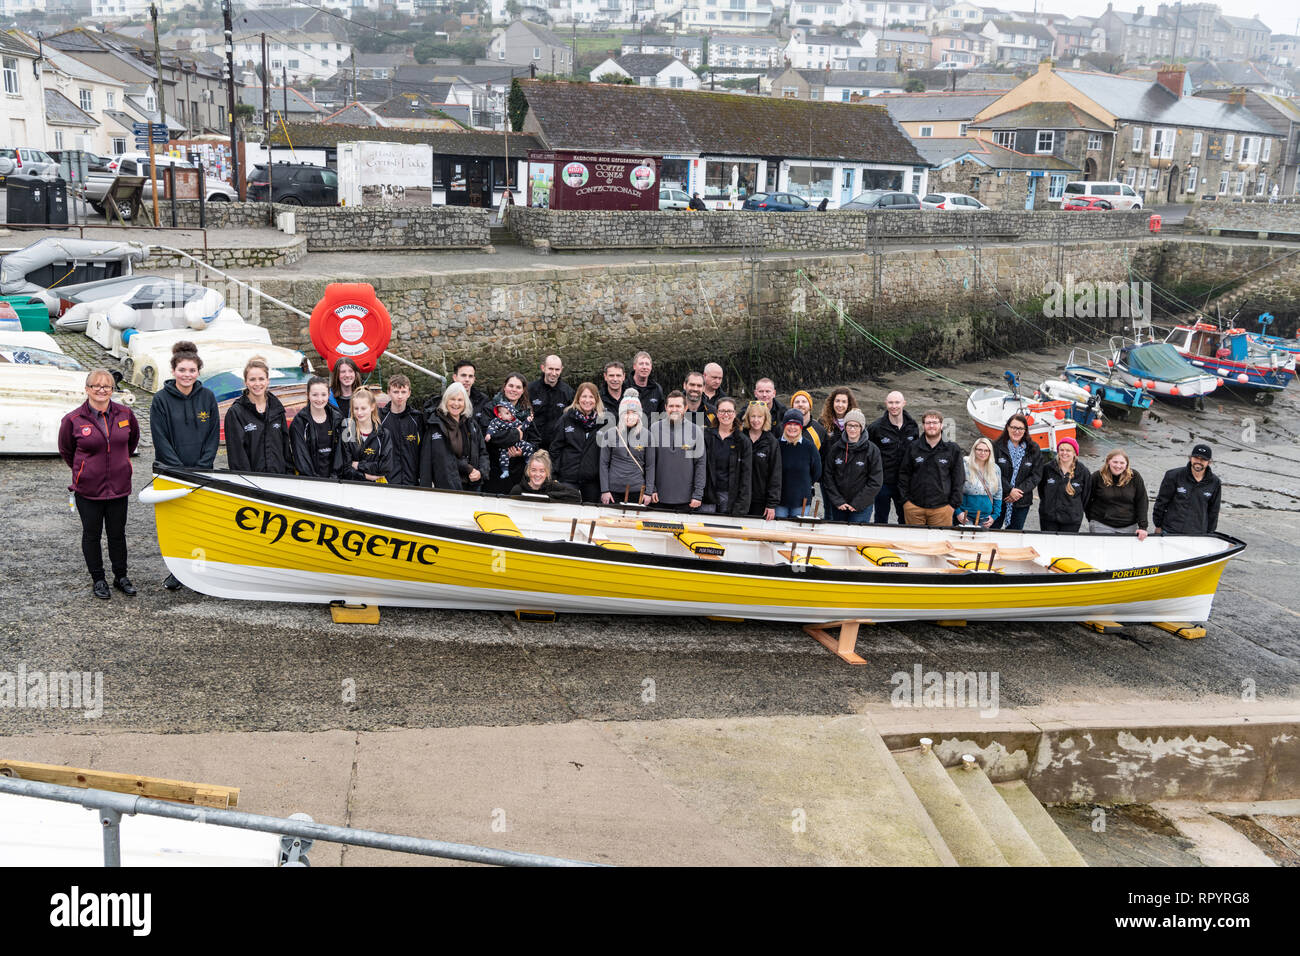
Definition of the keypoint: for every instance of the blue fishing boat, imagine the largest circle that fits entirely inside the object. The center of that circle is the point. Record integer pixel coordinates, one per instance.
(1158, 368)
(1261, 338)
(1098, 376)
(1228, 354)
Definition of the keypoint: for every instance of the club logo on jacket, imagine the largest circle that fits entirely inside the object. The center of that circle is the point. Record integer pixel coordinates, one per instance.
(85, 431)
(251, 427)
(123, 423)
(202, 416)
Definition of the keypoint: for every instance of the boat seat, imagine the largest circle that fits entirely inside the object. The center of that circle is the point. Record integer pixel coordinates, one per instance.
(1071, 566)
(700, 545)
(970, 566)
(613, 545)
(795, 558)
(494, 522)
(882, 557)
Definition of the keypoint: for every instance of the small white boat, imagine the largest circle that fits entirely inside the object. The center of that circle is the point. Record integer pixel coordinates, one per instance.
(1049, 421)
(150, 367)
(47, 266)
(33, 401)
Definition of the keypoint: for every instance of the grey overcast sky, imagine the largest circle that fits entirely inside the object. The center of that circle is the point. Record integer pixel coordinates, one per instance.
(1279, 15)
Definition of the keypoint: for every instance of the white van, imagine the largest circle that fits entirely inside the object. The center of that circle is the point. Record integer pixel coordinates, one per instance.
(1119, 195)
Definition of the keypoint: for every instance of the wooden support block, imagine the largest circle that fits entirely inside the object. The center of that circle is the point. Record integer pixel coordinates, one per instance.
(1188, 632)
(157, 788)
(354, 613)
(543, 617)
(727, 620)
(1101, 627)
(951, 623)
(842, 646)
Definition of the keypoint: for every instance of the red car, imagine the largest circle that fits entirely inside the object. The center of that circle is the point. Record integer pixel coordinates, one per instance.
(1085, 204)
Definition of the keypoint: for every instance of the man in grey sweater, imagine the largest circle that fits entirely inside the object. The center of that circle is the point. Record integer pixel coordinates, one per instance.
(676, 479)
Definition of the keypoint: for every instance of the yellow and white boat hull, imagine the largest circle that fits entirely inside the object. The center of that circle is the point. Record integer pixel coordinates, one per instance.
(273, 538)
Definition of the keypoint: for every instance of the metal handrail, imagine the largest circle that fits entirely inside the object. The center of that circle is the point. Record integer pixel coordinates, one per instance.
(297, 833)
(285, 305)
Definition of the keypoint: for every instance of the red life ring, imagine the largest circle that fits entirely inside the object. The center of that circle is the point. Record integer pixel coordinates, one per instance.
(350, 321)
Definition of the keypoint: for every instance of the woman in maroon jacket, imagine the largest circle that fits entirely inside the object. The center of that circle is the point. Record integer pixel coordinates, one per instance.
(96, 440)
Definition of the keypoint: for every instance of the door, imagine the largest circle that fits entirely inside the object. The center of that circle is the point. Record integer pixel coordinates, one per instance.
(477, 183)
(1089, 170)
(1031, 193)
(1171, 191)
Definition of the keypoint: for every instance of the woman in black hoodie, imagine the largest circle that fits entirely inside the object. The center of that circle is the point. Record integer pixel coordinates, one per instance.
(316, 434)
(765, 476)
(538, 481)
(729, 467)
(367, 449)
(257, 435)
(1064, 490)
(452, 453)
(574, 449)
(183, 421)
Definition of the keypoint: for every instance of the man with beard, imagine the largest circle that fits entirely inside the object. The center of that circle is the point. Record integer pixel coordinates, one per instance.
(931, 476)
(1188, 502)
(647, 389)
(696, 408)
(549, 397)
(676, 480)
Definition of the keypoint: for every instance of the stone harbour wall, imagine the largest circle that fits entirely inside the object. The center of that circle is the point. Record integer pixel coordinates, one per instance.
(351, 228)
(813, 319)
(1264, 218)
(817, 231)
(232, 257)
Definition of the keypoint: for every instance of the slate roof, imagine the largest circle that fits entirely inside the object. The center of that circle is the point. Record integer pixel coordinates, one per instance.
(863, 78)
(1143, 102)
(444, 142)
(543, 34)
(298, 103)
(15, 47)
(684, 41)
(940, 152)
(1035, 30)
(910, 107)
(477, 74)
(655, 120)
(413, 106)
(286, 21)
(1044, 116)
(645, 64)
(61, 110)
(979, 80)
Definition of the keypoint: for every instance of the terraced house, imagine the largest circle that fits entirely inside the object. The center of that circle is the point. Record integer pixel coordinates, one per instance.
(1168, 146)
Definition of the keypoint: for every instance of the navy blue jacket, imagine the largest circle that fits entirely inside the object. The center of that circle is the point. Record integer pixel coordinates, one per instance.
(801, 467)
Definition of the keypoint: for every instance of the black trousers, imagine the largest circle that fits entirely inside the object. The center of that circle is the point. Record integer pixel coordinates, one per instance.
(1047, 524)
(590, 491)
(96, 517)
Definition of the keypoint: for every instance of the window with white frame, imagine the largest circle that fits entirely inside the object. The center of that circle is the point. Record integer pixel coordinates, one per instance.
(151, 101)
(1141, 179)
(1193, 172)
(58, 139)
(677, 82)
(1137, 139)
(927, 131)
(1196, 143)
(790, 92)
(1162, 143)
(1155, 180)
(1266, 150)
(86, 99)
(961, 128)
(1094, 141)
(1239, 186)
(1046, 141)
(1223, 182)
(537, 53)
(1250, 149)
(1056, 187)
(11, 75)
(1130, 176)
(1261, 184)
(110, 101)
(1229, 145)
(1005, 138)
(119, 145)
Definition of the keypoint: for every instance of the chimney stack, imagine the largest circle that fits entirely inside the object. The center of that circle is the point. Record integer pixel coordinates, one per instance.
(1237, 97)
(1171, 78)
(1140, 11)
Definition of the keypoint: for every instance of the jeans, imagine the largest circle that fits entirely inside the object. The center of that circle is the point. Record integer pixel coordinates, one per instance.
(794, 512)
(888, 495)
(851, 517)
(96, 516)
(1013, 516)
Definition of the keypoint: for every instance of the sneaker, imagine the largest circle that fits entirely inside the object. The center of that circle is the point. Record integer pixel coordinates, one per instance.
(101, 590)
(124, 585)
(171, 584)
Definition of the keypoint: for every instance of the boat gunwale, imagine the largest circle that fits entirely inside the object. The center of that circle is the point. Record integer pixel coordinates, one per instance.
(588, 552)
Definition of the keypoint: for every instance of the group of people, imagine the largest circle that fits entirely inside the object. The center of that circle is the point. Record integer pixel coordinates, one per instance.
(624, 441)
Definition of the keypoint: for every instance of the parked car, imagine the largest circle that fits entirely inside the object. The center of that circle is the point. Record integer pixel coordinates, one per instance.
(887, 199)
(25, 160)
(295, 184)
(954, 202)
(1118, 194)
(1085, 204)
(777, 202)
(949, 65)
(673, 199)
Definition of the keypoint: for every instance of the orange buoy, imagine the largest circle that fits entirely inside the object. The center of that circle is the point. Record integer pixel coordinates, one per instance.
(350, 321)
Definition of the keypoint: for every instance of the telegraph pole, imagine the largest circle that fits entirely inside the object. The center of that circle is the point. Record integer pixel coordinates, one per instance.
(230, 99)
(157, 66)
(266, 89)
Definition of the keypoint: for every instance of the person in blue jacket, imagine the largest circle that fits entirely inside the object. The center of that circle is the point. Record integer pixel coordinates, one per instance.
(801, 467)
(981, 493)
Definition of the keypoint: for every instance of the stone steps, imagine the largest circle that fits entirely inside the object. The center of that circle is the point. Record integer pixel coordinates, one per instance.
(1039, 825)
(956, 820)
(1288, 268)
(502, 236)
(1003, 826)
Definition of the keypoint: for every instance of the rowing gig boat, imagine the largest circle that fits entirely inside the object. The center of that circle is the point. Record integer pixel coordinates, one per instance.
(277, 538)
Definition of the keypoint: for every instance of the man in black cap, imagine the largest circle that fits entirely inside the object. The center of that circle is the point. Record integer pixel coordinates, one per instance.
(1188, 502)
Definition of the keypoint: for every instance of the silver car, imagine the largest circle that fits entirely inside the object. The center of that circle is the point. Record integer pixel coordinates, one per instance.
(25, 161)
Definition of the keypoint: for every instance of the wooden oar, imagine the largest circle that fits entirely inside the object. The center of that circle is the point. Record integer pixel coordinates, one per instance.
(1006, 554)
(934, 549)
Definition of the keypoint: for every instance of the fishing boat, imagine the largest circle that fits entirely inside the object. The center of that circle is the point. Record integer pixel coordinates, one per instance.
(1049, 420)
(1229, 355)
(1085, 407)
(33, 400)
(1281, 343)
(1098, 376)
(310, 540)
(1158, 368)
